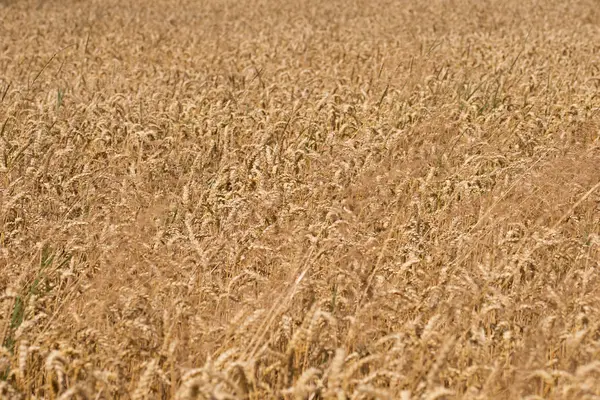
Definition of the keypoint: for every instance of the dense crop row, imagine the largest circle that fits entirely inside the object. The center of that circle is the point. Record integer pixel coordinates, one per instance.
(304, 200)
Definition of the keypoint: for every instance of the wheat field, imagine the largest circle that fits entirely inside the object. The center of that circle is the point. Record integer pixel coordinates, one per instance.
(263, 199)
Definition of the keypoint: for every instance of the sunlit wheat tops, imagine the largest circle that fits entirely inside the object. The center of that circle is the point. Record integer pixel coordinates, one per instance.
(299, 200)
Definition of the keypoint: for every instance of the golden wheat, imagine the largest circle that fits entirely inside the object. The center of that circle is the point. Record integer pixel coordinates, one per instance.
(299, 200)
